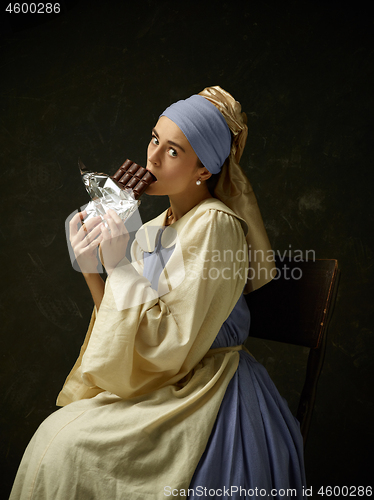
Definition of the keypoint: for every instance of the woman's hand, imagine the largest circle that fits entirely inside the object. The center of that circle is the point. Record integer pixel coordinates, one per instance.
(114, 241)
(85, 241)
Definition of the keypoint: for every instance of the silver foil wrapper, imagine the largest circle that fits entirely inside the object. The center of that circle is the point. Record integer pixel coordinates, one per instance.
(105, 193)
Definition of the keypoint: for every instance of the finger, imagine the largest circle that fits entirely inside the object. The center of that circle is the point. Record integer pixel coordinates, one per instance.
(77, 221)
(106, 234)
(74, 224)
(120, 225)
(85, 247)
(88, 227)
(93, 233)
(113, 214)
(84, 238)
(117, 220)
(95, 243)
(112, 226)
(83, 215)
(92, 222)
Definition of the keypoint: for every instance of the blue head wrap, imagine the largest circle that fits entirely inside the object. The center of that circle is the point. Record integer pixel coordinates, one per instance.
(205, 129)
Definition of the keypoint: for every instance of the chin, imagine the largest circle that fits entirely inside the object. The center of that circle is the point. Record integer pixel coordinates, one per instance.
(152, 190)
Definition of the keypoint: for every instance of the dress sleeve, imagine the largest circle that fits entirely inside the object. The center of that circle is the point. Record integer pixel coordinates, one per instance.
(159, 340)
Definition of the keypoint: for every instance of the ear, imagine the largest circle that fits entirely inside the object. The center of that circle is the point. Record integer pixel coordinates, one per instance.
(204, 174)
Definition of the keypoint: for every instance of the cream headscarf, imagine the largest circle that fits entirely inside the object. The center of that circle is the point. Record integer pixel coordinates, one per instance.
(235, 190)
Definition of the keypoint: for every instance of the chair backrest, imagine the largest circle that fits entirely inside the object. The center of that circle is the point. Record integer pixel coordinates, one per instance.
(295, 308)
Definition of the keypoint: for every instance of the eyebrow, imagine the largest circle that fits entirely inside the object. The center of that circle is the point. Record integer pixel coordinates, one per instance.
(169, 142)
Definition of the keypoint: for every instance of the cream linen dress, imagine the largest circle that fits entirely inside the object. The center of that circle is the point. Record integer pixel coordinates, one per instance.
(141, 400)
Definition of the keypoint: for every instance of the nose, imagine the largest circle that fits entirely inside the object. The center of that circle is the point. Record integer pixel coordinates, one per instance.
(153, 156)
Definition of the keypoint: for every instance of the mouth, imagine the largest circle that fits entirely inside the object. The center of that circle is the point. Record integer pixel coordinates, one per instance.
(153, 175)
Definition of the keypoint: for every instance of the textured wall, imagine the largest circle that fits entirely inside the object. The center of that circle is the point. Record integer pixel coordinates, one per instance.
(92, 82)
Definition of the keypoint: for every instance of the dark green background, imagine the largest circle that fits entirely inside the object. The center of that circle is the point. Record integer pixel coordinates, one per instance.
(92, 82)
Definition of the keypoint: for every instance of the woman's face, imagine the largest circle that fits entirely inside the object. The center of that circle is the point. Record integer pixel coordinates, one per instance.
(172, 160)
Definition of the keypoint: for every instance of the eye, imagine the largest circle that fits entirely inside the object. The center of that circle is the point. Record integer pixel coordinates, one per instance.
(172, 152)
(154, 140)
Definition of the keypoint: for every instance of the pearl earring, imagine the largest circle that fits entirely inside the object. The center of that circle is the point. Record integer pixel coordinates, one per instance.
(198, 182)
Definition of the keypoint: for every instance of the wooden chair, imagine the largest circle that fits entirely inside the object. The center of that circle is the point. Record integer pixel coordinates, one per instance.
(296, 308)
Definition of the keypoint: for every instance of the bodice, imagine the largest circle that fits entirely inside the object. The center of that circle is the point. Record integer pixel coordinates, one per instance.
(234, 330)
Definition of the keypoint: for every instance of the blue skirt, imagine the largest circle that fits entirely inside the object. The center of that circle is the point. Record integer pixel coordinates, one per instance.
(256, 448)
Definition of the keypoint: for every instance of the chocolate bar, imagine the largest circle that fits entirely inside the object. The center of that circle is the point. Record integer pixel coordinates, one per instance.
(131, 175)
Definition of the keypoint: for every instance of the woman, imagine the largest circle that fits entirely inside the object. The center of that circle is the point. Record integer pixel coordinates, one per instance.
(163, 399)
